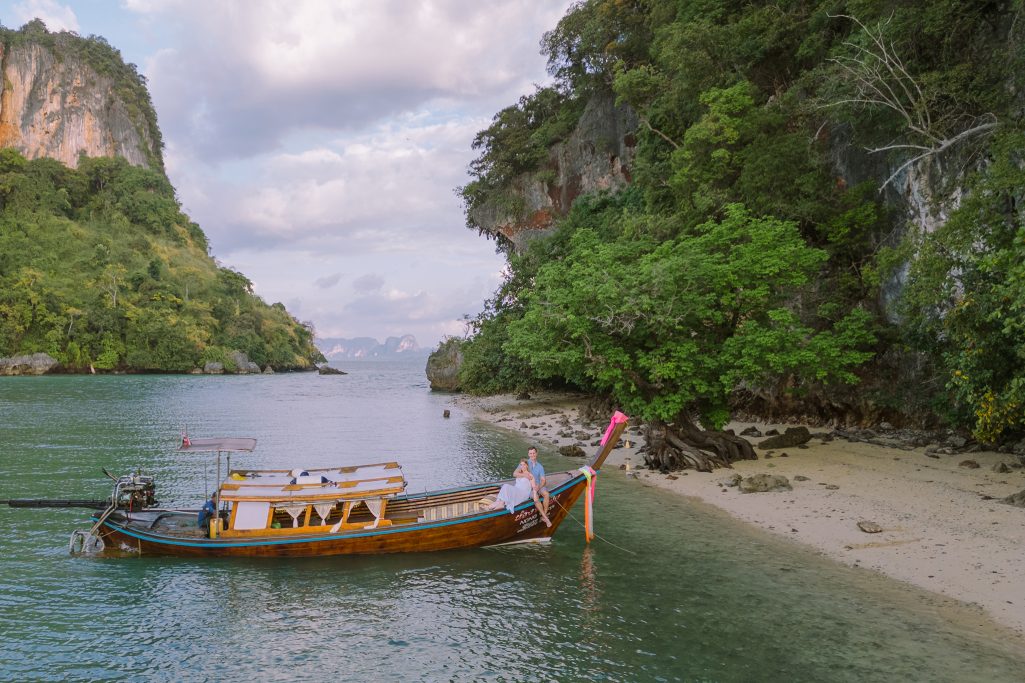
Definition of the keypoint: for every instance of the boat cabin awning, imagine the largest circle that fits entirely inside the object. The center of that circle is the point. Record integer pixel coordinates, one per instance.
(360, 482)
(218, 444)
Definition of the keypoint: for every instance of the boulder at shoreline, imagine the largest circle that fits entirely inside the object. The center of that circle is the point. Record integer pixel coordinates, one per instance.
(793, 436)
(443, 366)
(35, 364)
(761, 483)
(243, 365)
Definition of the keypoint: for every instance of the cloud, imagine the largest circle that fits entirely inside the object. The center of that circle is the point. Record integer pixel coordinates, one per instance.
(56, 16)
(328, 281)
(242, 78)
(389, 188)
(396, 308)
(365, 284)
(418, 300)
(311, 139)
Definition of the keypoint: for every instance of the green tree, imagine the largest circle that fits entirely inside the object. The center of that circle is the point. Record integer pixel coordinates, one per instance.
(671, 328)
(99, 263)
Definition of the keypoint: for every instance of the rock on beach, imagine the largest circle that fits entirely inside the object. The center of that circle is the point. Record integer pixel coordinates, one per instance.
(763, 483)
(793, 436)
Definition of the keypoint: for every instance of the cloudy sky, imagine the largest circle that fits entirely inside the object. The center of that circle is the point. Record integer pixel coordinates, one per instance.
(318, 143)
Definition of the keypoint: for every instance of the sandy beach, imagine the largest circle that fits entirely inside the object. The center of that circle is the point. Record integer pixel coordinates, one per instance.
(939, 530)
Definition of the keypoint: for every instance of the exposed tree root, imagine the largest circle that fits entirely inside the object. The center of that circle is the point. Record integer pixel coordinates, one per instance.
(683, 445)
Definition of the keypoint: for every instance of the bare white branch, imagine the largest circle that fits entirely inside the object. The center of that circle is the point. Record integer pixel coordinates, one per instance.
(880, 79)
(656, 131)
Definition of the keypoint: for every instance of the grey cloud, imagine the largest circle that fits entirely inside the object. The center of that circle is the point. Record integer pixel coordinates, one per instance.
(365, 284)
(388, 309)
(417, 308)
(241, 81)
(311, 138)
(328, 281)
(390, 189)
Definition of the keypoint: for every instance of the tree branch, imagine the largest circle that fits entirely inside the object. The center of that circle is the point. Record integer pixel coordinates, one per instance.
(939, 149)
(882, 80)
(656, 131)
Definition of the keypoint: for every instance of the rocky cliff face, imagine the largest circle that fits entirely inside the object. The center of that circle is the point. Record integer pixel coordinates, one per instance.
(596, 156)
(443, 366)
(58, 106)
(920, 198)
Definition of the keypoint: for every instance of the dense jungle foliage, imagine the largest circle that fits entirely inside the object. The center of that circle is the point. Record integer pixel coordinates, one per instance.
(99, 267)
(764, 221)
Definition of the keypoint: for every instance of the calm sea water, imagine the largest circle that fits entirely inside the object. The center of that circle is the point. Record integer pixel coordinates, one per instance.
(688, 594)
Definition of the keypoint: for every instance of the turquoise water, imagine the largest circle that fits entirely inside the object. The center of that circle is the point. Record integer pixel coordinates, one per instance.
(687, 595)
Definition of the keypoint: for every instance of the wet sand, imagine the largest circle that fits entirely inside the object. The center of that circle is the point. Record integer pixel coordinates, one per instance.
(938, 531)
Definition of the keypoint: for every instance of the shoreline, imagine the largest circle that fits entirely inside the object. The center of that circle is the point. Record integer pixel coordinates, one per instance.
(938, 533)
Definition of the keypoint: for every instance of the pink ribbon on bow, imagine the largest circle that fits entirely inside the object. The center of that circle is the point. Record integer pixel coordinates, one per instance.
(617, 418)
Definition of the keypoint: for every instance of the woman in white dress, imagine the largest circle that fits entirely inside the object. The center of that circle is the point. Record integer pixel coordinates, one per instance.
(521, 490)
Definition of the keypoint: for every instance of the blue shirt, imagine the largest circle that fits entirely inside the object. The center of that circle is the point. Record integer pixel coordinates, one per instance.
(206, 513)
(538, 471)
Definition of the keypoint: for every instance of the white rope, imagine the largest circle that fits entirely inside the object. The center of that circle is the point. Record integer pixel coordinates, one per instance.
(596, 535)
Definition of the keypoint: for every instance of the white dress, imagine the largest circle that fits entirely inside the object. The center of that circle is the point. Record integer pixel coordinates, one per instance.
(514, 494)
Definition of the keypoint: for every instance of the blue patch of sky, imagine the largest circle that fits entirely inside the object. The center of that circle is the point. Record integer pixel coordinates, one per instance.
(135, 36)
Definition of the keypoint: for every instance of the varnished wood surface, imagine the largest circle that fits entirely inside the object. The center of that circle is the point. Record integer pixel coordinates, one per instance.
(468, 531)
(485, 528)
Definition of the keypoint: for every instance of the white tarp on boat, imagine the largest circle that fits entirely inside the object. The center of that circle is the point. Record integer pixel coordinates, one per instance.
(251, 515)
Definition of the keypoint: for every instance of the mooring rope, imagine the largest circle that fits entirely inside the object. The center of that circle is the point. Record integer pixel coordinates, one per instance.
(596, 535)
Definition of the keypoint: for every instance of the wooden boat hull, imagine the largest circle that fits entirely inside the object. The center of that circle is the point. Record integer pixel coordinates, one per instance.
(468, 531)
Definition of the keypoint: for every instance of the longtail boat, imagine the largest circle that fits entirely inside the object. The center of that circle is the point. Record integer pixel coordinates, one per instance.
(348, 510)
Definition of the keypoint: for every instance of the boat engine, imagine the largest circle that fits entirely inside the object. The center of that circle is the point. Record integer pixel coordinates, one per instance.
(134, 491)
(131, 492)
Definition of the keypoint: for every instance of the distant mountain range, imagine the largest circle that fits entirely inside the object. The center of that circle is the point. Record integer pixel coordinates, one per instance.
(368, 348)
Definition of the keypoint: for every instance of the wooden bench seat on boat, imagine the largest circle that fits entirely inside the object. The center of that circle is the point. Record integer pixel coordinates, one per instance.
(436, 513)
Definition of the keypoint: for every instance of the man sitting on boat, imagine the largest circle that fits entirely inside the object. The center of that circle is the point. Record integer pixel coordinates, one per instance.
(537, 470)
(206, 513)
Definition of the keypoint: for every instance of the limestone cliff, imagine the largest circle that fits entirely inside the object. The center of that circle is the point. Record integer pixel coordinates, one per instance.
(64, 96)
(596, 156)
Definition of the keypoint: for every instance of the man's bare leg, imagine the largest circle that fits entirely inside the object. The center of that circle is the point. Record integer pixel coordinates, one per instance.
(540, 509)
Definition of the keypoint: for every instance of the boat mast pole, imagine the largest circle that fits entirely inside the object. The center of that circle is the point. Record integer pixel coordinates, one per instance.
(217, 488)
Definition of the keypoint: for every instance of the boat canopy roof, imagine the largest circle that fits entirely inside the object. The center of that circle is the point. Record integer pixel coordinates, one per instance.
(220, 444)
(358, 482)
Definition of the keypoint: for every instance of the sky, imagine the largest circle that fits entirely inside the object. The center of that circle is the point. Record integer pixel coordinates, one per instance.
(319, 144)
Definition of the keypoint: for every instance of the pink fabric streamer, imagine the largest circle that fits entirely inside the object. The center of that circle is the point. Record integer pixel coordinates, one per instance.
(617, 418)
